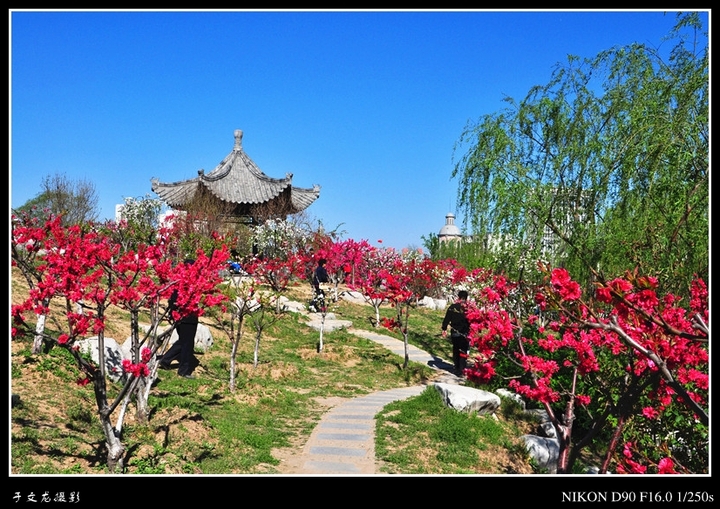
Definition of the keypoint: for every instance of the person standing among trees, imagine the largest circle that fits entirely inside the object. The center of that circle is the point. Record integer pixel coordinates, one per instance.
(456, 318)
(184, 348)
(320, 275)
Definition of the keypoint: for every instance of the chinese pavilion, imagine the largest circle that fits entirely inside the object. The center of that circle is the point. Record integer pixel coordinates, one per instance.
(240, 189)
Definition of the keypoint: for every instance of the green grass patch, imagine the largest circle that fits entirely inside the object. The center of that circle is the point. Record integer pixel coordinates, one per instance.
(421, 435)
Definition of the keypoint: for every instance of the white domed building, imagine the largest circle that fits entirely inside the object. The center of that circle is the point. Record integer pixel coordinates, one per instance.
(450, 232)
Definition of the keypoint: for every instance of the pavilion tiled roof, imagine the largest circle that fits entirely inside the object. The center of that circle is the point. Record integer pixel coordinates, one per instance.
(237, 180)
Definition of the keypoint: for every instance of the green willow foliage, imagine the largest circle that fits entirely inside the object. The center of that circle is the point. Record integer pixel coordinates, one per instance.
(611, 156)
(469, 253)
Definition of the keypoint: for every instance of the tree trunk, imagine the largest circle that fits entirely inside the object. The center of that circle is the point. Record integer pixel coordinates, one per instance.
(565, 435)
(233, 353)
(322, 327)
(564, 441)
(112, 436)
(115, 448)
(142, 410)
(39, 330)
(407, 356)
(613, 445)
(403, 320)
(257, 348)
(141, 390)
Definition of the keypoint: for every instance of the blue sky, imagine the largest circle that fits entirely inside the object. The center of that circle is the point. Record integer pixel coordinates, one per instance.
(367, 104)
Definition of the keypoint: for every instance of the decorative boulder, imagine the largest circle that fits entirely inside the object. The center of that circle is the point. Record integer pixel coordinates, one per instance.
(468, 399)
(331, 323)
(427, 302)
(203, 338)
(291, 305)
(434, 304)
(544, 451)
(504, 393)
(353, 296)
(546, 427)
(125, 349)
(113, 356)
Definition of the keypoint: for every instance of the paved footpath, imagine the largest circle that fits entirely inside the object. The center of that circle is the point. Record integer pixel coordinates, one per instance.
(343, 442)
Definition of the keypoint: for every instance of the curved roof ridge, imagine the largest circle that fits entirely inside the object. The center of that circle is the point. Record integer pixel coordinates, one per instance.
(236, 179)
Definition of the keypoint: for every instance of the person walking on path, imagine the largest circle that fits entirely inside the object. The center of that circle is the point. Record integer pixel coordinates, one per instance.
(456, 319)
(184, 348)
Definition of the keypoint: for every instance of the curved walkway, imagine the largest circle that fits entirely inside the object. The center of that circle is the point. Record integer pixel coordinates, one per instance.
(343, 442)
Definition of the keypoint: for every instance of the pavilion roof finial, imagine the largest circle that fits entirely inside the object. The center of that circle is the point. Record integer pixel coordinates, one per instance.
(238, 139)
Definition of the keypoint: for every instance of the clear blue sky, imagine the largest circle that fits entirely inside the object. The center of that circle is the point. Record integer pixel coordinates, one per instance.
(366, 104)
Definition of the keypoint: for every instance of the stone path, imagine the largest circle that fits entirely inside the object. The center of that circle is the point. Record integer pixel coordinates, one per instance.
(398, 347)
(343, 442)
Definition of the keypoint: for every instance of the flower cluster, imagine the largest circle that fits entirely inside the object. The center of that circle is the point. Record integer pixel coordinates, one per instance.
(137, 370)
(628, 464)
(390, 323)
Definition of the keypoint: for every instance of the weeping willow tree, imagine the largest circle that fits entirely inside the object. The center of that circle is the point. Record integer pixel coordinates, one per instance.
(603, 169)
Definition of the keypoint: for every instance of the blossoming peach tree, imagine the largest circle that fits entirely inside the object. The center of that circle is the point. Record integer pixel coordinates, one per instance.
(369, 279)
(405, 282)
(345, 258)
(90, 271)
(230, 318)
(621, 371)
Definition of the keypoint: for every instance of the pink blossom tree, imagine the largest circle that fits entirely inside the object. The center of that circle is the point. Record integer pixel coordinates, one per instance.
(404, 283)
(370, 279)
(616, 355)
(92, 272)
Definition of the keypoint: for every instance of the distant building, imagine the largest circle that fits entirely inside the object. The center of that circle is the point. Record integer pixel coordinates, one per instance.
(450, 232)
(569, 208)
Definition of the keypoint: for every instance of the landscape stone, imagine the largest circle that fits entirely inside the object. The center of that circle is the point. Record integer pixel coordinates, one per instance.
(353, 297)
(203, 339)
(544, 451)
(113, 356)
(468, 399)
(504, 393)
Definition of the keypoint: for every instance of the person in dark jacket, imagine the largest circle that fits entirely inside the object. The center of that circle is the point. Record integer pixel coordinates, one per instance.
(184, 348)
(456, 319)
(320, 275)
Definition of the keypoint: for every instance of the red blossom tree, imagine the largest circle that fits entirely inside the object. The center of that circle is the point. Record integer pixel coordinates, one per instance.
(369, 278)
(91, 272)
(404, 283)
(345, 259)
(618, 353)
